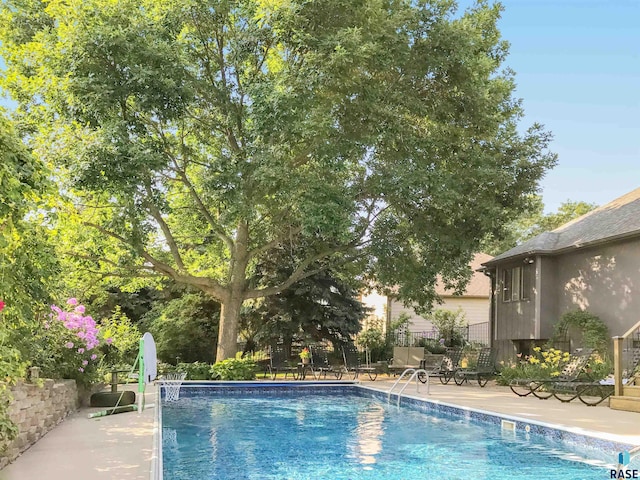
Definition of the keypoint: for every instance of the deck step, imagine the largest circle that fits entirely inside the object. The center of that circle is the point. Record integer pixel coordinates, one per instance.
(629, 404)
(632, 391)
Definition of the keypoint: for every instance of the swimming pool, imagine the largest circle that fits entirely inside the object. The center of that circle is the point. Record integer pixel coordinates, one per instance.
(346, 432)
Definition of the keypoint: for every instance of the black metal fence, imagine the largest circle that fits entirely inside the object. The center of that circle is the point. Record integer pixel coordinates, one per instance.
(477, 333)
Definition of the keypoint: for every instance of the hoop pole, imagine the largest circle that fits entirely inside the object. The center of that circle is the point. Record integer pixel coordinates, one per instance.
(141, 379)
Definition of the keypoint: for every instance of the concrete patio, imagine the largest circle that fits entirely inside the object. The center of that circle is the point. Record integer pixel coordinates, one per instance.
(119, 447)
(115, 447)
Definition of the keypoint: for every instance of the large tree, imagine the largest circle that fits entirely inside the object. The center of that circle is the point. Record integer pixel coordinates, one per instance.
(194, 137)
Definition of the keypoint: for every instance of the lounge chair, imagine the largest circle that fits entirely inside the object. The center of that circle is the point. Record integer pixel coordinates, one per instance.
(544, 388)
(447, 367)
(320, 363)
(593, 393)
(279, 362)
(406, 357)
(432, 363)
(483, 371)
(352, 363)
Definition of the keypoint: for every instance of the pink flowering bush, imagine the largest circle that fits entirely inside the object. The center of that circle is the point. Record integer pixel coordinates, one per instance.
(71, 340)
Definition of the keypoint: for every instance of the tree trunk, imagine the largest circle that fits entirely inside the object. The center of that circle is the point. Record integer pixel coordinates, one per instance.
(228, 330)
(230, 312)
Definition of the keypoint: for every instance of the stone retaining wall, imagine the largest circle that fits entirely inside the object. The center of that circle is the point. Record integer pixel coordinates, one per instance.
(36, 410)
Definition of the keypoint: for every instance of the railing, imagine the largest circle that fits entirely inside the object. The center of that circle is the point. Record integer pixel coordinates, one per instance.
(626, 353)
(476, 333)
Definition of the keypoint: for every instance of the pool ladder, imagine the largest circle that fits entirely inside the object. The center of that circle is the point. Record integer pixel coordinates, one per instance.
(414, 374)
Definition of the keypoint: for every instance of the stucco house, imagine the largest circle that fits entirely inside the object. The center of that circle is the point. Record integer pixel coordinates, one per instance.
(591, 263)
(474, 302)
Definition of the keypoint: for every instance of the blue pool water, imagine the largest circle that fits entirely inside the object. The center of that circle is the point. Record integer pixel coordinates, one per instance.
(328, 436)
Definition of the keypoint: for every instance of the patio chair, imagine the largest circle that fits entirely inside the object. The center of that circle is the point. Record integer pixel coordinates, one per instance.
(320, 363)
(483, 371)
(279, 362)
(352, 363)
(406, 357)
(544, 388)
(447, 367)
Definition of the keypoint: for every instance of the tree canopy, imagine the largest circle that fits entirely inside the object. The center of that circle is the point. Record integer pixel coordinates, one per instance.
(532, 222)
(24, 186)
(193, 138)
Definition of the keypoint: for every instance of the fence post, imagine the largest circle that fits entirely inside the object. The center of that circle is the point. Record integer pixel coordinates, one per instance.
(617, 365)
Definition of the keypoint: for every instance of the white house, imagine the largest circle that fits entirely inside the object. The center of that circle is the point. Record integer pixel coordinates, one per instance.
(475, 302)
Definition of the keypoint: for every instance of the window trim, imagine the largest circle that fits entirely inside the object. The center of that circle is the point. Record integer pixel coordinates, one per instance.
(527, 270)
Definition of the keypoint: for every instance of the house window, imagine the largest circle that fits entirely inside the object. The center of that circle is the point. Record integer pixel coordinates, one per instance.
(506, 285)
(516, 283)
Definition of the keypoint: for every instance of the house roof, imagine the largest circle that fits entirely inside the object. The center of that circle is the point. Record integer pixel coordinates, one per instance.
(478, 286)
(615, 220)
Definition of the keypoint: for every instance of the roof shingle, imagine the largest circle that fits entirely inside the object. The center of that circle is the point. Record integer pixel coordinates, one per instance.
(617, 219)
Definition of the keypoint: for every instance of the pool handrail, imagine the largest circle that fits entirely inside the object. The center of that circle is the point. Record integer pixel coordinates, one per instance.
(414, 374)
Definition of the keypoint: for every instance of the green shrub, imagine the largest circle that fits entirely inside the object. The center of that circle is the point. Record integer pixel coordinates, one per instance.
(373, 340)
(595, 333)
(542, 364)
(164, 368)
(8, 429)
(125, 339)
(185, 329)
(234, 369)
(598, 368)
(449, 324)
(11, 369)
(432, 345)
(195, 370)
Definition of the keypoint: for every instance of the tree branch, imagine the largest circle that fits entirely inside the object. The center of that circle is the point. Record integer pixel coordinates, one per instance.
(166, 231)
(210, 286)
(299, 273)
(132, 269)
(181, 172)
(273, 243)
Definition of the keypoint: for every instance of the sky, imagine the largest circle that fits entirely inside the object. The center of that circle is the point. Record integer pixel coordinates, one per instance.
(577, 65)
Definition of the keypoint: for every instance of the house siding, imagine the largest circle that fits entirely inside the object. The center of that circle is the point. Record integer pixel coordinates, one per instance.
(604, 280)
(548, 296)
(476, 311)
(515, 320)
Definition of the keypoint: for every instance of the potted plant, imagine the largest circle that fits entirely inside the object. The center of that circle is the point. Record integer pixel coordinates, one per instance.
(305, 356)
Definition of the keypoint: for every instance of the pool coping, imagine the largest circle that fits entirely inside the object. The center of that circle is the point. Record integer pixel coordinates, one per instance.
(588, 439)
